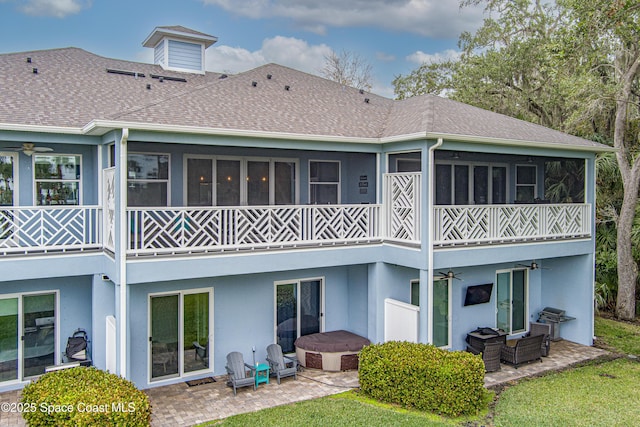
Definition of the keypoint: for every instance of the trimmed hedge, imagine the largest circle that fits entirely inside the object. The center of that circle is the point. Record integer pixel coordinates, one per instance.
(424, 377)
(82, 397)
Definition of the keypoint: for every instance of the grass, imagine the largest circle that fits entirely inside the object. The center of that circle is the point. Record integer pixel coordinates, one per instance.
(349, 408)
(622, 337)
(596, 394)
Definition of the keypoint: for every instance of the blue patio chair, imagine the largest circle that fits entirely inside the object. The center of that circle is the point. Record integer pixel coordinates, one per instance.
(278, 365)
(237, 370)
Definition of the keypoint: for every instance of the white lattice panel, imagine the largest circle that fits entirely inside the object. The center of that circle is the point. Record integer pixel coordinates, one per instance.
(193, 229)
(109, 205)
(48, 228)
(402, 198)
(503, 223)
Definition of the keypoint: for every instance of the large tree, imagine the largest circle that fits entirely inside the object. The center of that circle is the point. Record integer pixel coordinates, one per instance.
(607, 35)
(570, 65)
(347, 68)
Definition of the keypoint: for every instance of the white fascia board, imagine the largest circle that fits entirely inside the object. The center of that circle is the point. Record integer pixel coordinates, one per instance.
(99, 127)
(519, 143)
(40, 128)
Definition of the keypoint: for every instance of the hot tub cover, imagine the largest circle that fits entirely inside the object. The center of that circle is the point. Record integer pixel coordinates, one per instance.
(334, 341)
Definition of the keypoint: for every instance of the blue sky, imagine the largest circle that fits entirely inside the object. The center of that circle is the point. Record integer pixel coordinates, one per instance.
(393, 36)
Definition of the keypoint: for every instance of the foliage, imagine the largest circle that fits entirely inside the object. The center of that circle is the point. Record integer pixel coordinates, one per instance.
(84, 396)
(424, 377)
(622, 337)
(347, 68)
(345, 409)
(600, 394)
(573, 66)
(596, 395)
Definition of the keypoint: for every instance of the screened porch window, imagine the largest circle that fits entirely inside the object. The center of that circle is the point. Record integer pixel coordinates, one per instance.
(212, 181)
(57, 179)
(7, 179)
(324, 182)
(526, 183)
(148, 183)
(466, 184)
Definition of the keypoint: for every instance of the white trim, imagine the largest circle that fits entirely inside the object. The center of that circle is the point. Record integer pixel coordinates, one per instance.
(181, 373)
(122, 336)
(526, 303)
(430, 232)
(100, 127)
(19, 296)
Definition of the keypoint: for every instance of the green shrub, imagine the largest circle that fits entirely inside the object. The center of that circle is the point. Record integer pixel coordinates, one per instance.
(82, 397)
(424, 377)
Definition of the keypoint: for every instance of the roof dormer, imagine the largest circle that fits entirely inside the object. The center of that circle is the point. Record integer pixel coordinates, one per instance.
(178, 48)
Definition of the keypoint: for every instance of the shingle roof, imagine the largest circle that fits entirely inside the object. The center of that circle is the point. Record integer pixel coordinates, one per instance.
(72, 88)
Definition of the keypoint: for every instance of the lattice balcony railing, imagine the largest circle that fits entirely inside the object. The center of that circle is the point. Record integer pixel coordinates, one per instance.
(42, 229)
(184, 230)
(460, 225)
(402, 209)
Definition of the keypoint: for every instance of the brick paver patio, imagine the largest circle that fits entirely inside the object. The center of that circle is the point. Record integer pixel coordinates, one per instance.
(181, 405)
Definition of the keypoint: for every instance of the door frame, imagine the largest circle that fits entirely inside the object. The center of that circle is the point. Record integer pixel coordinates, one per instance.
(297, 282)
(449, 316)
(526, 302)
(56, 346)
(181, 373)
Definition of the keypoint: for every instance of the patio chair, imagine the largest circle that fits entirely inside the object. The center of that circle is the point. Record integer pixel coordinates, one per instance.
(526, 349)
(537, 328)
(490, 355)
(201, 351)
(237, 370)
(278, 365)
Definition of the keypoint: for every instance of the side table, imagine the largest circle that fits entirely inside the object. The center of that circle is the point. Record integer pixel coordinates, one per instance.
(262, 374)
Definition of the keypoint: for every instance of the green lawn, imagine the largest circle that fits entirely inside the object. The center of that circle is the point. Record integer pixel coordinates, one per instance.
(618, 336)
(597, 394)
(345, 409)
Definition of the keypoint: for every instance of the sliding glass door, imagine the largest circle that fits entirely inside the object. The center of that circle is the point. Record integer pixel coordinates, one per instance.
(441, 309)
(180, 333)
(9, 339)
(512, 301)
(299, 310)
(28, 325)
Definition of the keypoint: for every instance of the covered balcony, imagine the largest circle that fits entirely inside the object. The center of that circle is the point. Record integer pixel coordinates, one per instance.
(502, 200)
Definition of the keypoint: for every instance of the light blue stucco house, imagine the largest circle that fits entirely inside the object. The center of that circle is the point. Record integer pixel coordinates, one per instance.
(164, 208)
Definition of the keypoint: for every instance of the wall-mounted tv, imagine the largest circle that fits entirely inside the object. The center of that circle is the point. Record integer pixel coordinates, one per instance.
(478, 294)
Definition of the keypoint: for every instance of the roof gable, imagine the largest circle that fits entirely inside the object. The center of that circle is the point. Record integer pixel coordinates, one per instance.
(74, 88)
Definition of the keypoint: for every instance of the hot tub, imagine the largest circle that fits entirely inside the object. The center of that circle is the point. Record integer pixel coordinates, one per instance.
(330, 351)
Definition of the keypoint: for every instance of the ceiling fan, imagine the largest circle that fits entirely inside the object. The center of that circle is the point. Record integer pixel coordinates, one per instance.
(533, 266)
(29, 148)
(448, 275)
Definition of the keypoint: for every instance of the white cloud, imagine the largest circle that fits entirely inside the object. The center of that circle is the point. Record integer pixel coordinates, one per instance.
(431, 18)
(288, 51)
(55, 8)
(420, 57)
